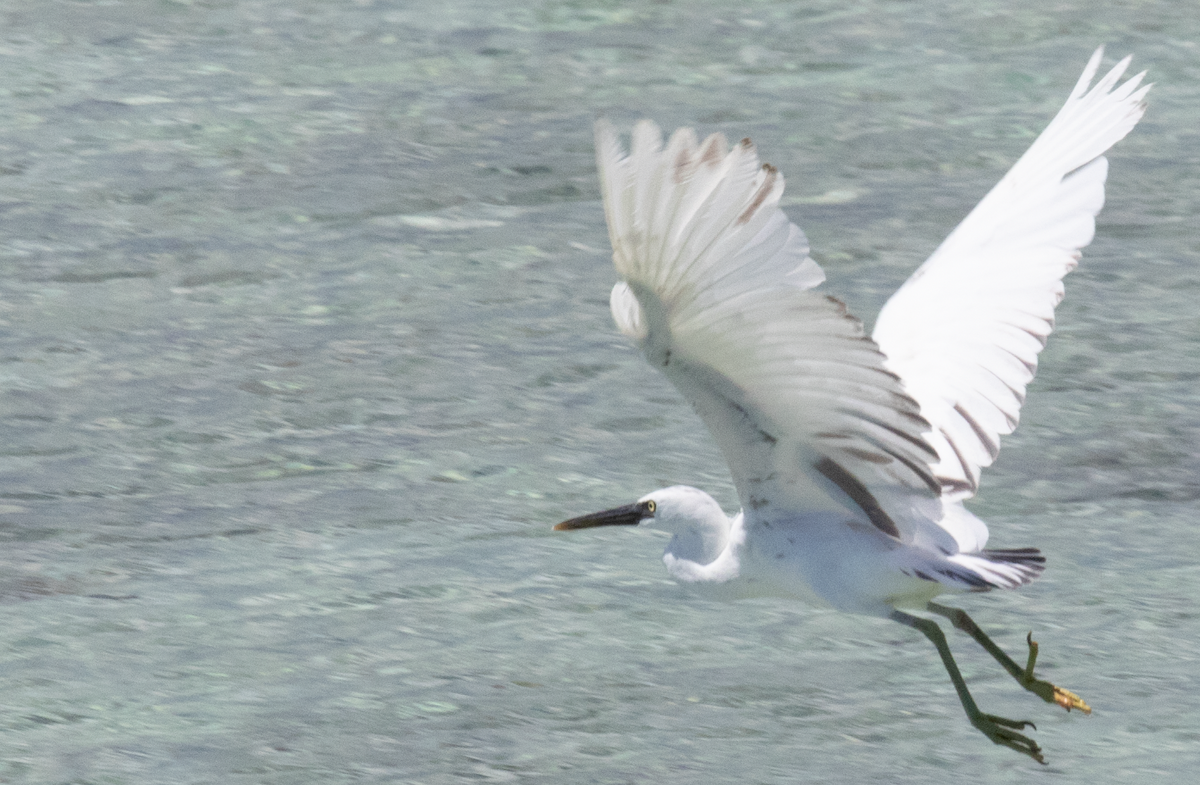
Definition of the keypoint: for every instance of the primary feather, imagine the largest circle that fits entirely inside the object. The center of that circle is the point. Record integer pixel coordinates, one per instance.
(965, 330)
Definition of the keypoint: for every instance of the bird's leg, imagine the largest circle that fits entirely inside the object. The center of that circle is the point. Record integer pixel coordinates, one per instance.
(1024, 676)
(998, 729)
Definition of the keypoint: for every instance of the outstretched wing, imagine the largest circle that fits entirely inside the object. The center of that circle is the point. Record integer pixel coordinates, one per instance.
(716, 289)
(965, 330)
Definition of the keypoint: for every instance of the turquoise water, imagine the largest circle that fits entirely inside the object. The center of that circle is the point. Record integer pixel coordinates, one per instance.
(304, 346)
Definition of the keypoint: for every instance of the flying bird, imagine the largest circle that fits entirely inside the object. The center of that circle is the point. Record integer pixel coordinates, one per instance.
(851, 454)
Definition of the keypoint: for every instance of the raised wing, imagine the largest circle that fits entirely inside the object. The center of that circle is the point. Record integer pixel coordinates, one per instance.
(715, 290)
(965, 330)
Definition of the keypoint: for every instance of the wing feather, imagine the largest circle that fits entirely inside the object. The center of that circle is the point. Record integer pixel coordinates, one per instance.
(716, 289)
(965, 330)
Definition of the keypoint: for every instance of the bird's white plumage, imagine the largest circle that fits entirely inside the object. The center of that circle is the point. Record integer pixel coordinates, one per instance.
(851, 455)
(965, 330)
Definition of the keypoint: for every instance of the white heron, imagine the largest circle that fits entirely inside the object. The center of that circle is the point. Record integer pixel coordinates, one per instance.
(851, 455)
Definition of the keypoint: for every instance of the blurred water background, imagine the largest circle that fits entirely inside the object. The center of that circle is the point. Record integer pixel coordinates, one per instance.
(304, 346)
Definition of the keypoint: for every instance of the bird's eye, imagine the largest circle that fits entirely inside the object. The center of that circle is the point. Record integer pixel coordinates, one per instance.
(651, 506)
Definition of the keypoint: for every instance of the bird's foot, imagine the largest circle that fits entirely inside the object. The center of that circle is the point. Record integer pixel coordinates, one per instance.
(1069, 700)
(1004, 731)
(1044, 689)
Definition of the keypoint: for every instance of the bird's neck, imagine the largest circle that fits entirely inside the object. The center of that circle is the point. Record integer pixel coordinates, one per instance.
(700, 542)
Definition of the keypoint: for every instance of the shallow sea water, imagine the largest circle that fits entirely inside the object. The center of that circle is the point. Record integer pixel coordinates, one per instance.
(304, 346)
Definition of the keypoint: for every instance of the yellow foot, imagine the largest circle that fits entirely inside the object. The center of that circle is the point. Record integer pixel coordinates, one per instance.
(1047, 691)
(1069, 700)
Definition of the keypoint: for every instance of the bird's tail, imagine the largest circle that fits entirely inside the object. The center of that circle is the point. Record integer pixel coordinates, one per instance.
(999, 568)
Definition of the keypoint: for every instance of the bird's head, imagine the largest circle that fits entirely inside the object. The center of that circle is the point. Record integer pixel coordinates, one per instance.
(699, 527)
(676, 509)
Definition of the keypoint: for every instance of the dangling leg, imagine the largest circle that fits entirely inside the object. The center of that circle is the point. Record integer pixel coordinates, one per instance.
(1024, 676)
(998, 729)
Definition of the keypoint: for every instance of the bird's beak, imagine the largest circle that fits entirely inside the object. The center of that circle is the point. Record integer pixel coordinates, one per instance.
(629, 515)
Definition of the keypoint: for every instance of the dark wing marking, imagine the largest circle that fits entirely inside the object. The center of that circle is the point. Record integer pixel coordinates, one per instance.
(976, 582)
(858, 493)
(1031, 557)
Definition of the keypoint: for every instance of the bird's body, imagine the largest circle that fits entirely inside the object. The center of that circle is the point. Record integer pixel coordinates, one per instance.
(851, 454)
(816, 556)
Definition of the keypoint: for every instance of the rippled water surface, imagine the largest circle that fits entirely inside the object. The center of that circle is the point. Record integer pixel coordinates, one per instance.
(304, 346)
